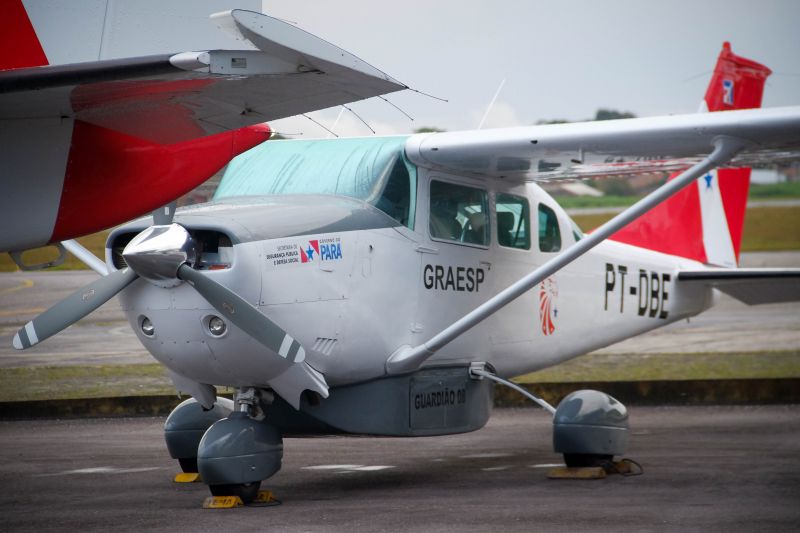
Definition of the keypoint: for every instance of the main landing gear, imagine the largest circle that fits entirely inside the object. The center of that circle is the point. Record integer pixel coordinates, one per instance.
(233, 450)
(589, 426)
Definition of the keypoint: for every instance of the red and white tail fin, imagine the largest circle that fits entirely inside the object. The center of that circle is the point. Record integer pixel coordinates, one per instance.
(704, 222)
(17, 34)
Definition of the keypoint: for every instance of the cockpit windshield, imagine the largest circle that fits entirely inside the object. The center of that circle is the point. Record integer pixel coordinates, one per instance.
(372, 169)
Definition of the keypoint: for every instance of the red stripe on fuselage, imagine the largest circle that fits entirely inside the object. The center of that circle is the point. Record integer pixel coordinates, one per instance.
(112, 177)
(18, 41)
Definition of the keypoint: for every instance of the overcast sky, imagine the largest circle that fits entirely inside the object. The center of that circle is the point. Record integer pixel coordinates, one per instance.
(560, 59)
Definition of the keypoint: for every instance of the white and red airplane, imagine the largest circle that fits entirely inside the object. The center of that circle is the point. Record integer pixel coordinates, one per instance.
(382, 285)
(91, 136)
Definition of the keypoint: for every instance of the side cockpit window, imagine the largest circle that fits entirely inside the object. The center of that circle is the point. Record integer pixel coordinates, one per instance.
(513, 221)
(549, 234)
(459, 213)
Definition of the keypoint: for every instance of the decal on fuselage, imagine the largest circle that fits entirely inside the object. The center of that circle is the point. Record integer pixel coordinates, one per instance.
(440, 398)
(450, 278)
(648, 291)
(304, 252)
(548, 312)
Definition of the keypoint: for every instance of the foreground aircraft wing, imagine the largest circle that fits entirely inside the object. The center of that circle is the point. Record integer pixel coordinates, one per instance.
(87, 145)
(752, 286)
(611, 148)
(176, 97)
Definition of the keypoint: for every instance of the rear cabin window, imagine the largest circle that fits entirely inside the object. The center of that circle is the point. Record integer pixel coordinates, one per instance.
(459, 213)
(576, 231)
(513, 221)
(549, 234)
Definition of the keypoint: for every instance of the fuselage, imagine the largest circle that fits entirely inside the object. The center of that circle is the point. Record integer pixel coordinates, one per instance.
(355, 279)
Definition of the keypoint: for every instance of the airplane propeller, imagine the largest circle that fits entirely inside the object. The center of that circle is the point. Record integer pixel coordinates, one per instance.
(163, 254)
(73, 308)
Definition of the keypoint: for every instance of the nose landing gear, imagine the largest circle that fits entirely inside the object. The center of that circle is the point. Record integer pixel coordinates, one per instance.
(186, 425)
(238, 452)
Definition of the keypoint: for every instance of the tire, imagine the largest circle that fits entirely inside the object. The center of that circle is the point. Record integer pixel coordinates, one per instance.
(580, 460)
(188, 464)
(246, 491)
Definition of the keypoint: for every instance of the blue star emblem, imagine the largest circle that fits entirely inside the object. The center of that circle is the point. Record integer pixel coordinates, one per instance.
(310, 253)
(555, 312)
(709, 178)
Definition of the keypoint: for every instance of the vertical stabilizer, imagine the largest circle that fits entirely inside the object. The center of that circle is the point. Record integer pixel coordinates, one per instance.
(18, 41)
(704, 222)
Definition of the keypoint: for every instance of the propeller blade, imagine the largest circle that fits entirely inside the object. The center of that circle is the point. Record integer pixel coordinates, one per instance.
(73, 308)
(245, 316)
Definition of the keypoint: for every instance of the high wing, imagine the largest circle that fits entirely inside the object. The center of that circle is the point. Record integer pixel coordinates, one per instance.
(752, 286)
(697, 143)
(610, 148)
(176, 97)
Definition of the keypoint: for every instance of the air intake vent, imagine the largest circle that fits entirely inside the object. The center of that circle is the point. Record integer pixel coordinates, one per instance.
(119, 244)
(324, 345)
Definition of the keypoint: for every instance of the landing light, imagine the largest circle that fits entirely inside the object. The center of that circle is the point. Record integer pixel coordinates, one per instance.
(216, 326)
(147, 327)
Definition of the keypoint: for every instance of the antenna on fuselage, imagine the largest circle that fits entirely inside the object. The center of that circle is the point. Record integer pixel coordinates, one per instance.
(491, 104)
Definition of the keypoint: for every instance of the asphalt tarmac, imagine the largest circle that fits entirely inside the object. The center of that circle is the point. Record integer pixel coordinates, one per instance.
(705, 469)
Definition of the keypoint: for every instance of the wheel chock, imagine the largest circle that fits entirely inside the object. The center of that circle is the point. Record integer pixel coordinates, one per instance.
(623, 467)
(265, 498)
(565, 472)
(222, 502)
(187, 477)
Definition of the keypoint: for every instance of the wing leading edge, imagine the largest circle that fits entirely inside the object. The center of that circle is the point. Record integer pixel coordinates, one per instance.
(610, 148)
(200, 92)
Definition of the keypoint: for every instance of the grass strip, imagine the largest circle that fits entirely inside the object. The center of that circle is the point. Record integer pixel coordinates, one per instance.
(101, 381)
(789, 190)
(670, 366)
(766, 229)
(90, 381)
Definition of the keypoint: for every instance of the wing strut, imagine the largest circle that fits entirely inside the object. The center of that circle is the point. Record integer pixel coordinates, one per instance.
(408, 359)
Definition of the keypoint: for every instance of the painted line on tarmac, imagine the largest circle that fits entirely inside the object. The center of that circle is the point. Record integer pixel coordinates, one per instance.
(101, 470)
(26, 284)
(30, 311)
(348, 469)
(496, 468)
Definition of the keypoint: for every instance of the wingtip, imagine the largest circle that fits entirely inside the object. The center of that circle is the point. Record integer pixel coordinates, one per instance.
(17, 342)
